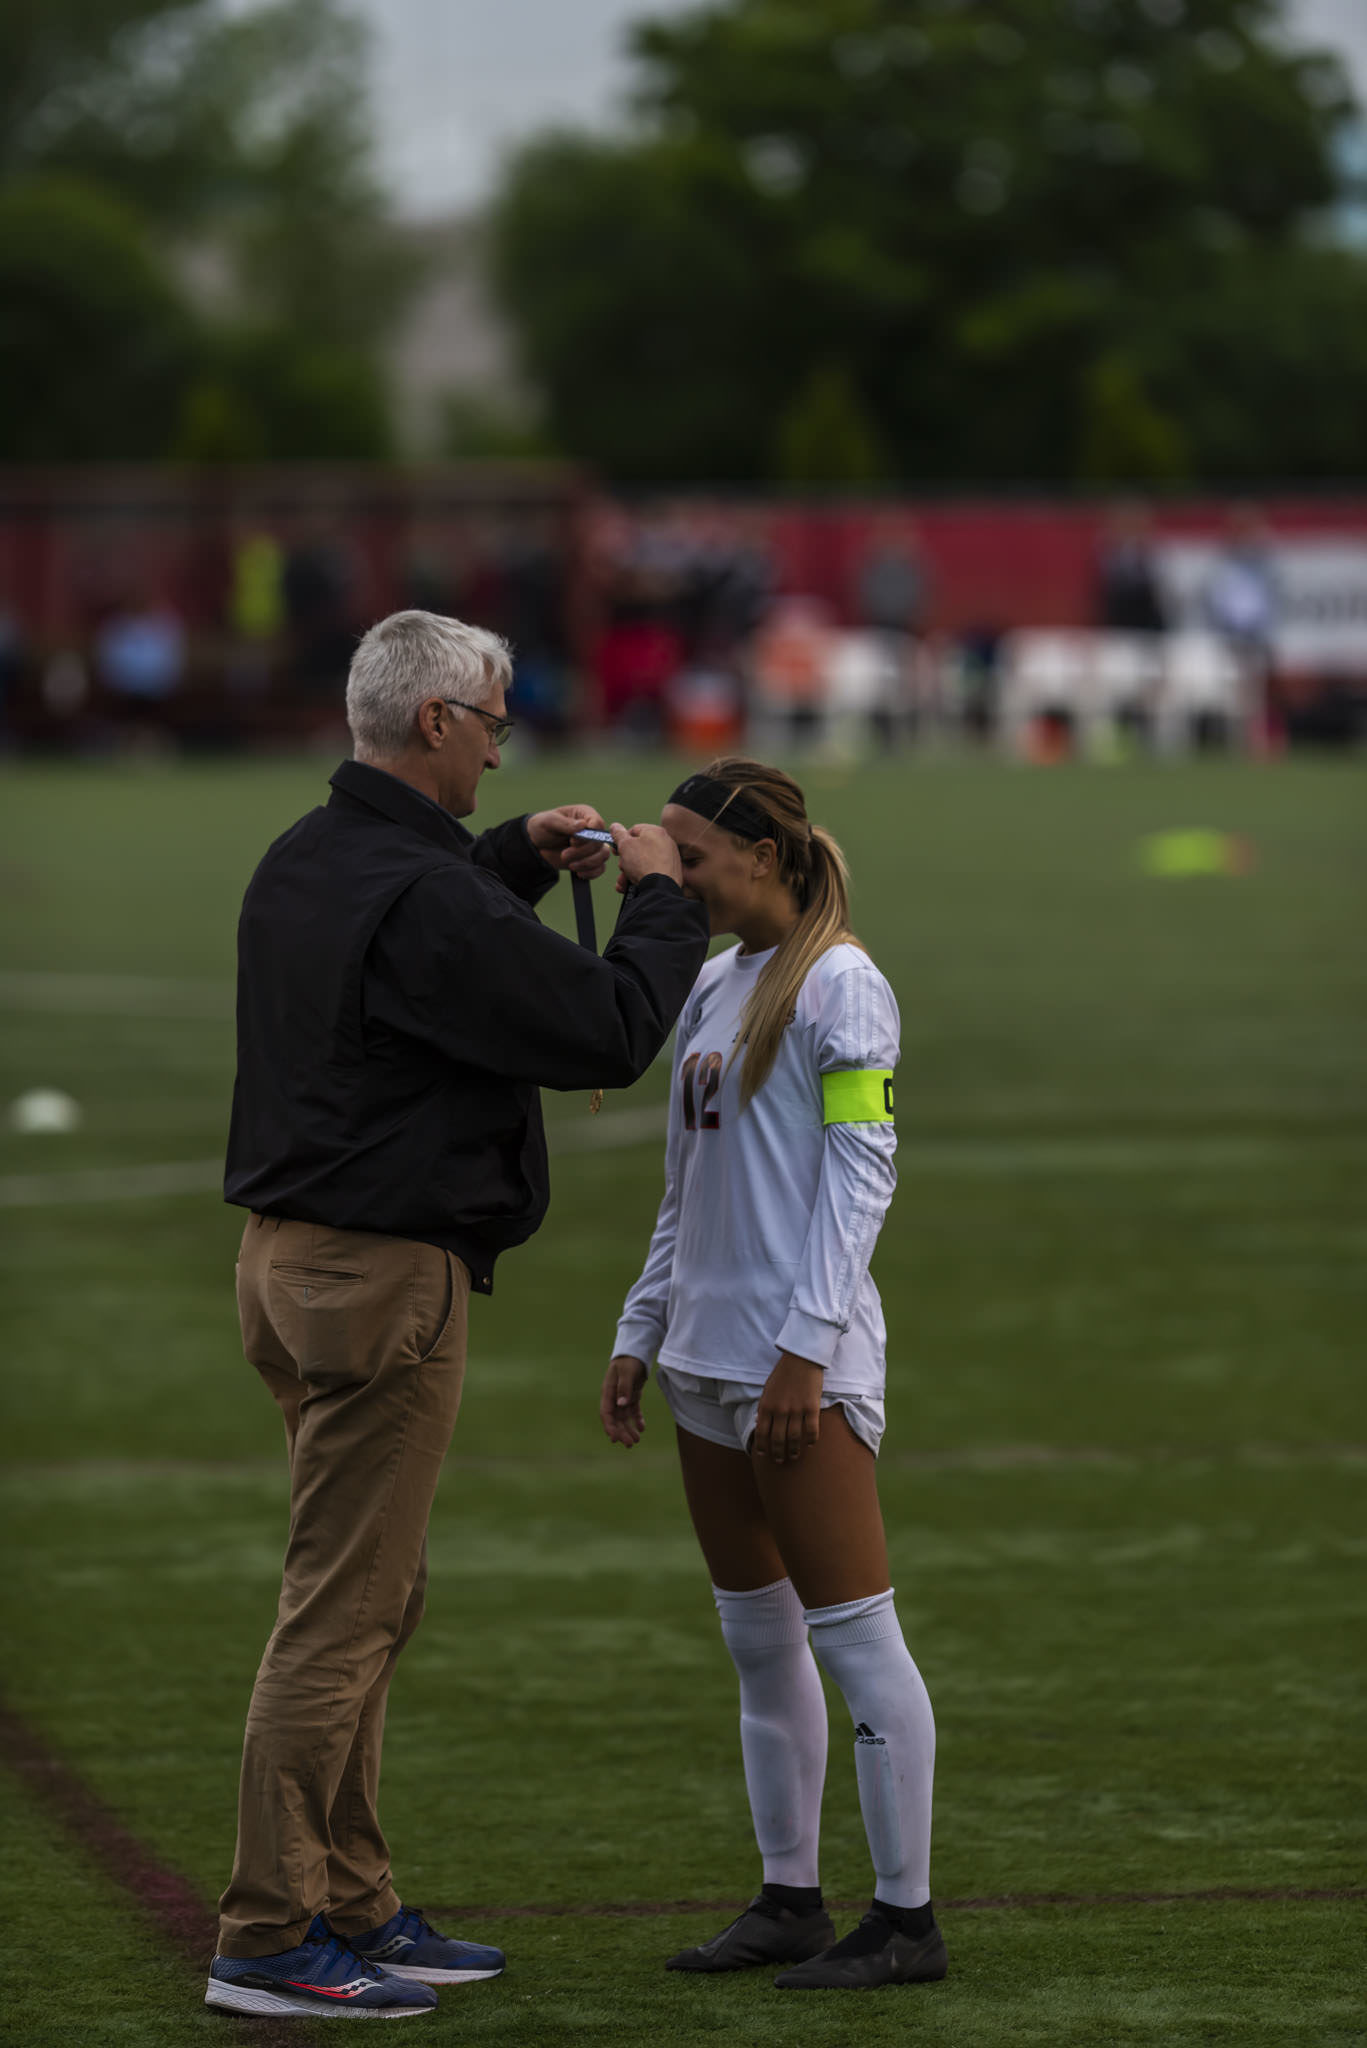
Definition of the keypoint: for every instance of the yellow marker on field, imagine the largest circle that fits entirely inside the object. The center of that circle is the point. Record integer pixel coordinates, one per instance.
(1172, 856)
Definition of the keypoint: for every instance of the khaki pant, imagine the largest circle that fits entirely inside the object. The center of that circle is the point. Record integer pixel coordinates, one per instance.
(361, 1339)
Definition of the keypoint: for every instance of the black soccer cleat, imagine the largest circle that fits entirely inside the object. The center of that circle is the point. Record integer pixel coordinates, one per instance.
(874, 1953)
(764, 1933)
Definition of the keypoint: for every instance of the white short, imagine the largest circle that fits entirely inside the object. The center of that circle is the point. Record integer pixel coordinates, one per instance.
(724, 1411)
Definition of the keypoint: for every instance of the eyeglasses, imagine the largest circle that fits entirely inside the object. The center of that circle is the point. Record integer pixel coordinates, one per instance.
(498, 728)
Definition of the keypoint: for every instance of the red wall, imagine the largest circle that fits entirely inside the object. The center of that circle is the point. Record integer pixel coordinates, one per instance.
(1000, 564)
(66, 538)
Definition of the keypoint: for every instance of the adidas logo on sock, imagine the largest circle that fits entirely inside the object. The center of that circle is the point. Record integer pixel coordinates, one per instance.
(863, 1733)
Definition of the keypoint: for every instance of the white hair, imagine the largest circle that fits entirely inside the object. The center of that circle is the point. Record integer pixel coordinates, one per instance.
(407, 658)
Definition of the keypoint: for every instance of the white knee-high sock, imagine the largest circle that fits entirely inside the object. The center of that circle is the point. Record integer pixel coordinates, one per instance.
(860, 1644)
(782, 1726)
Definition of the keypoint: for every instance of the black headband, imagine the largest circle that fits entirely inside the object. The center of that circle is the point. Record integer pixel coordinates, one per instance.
(709, 798)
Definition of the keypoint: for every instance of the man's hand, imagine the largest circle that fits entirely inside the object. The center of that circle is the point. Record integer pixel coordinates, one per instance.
(552, 834)
(646, 850)
(619, 1406)
(789, 1418)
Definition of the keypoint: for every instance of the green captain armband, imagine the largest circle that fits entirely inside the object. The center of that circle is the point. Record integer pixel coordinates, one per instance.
(857, 1098)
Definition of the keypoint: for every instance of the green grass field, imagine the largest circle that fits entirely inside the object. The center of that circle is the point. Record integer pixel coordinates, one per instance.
(1124, 1277)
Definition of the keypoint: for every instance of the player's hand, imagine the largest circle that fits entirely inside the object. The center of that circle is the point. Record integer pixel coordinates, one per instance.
(552, 834)
(646, 850)
(619, 1406)
(789, 1419)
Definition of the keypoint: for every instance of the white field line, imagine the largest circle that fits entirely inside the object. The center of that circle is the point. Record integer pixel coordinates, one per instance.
(993, 1157)
(1006, 1157)
(205, 1176)
(621, 1129)
(110, 1183)
(54, 1478)
(135, 995)
(114, 995)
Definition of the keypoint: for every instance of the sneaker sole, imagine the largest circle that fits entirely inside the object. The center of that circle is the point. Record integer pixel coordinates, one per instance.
(416, 1975)
(275, 2005)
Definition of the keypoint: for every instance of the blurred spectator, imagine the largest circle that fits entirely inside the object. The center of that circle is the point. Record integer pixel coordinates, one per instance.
(974, 681)
(893, 584)
(705, 711)
(1241, 603)
(140, 654)
(684, 587)
(13, 663)
(65, 691)
(640, 649)
(540, 695)
(637, 659)
(428, 573)
(869, 698)
(256, 604)
(1129, 597)
(1241, 596)
(892, 597)
(256, 610)
(533, 595)
(521, 593)
(727, 583)
(790, 660)
(317, 588)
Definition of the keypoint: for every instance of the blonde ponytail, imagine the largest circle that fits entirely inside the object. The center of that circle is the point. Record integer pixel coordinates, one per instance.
(813, 866)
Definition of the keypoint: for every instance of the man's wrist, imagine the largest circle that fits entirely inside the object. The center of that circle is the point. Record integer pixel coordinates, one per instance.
(657, 875)
(545, 854)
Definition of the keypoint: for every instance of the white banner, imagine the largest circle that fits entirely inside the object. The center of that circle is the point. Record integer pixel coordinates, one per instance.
(1306, 597)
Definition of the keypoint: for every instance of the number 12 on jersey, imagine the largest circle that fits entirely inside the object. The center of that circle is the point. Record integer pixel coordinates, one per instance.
(701, 1076)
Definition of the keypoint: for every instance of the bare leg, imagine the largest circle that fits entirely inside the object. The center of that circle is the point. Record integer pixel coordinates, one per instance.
(822, 1511)
(816, 1521)
(728, 1515)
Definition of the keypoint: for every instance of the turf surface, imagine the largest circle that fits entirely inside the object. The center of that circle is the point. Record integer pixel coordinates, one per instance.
(1124, 1282)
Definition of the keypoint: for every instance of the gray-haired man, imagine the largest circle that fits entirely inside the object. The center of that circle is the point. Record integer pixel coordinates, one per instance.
(399, 1006)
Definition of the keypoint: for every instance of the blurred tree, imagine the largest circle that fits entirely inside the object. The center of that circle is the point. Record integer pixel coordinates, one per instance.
(476, 427)
(1123, 434)
(94, 336)
(268, 396)
(236, 153)
(826, 437)
(1030, 233)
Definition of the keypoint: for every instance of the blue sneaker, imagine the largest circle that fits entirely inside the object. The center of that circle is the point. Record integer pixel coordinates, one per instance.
(407, 1946)
(323, 1978)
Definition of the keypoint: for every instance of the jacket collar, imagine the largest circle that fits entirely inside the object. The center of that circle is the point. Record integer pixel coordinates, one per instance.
(359, 782)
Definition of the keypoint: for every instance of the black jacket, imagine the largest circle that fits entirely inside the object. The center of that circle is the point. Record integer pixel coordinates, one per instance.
(399, 1004)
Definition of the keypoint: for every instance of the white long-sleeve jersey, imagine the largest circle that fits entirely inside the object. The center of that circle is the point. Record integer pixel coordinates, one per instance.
(771, 1213)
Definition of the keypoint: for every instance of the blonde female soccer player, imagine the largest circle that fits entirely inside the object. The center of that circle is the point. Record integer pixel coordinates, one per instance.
(757, 1303)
